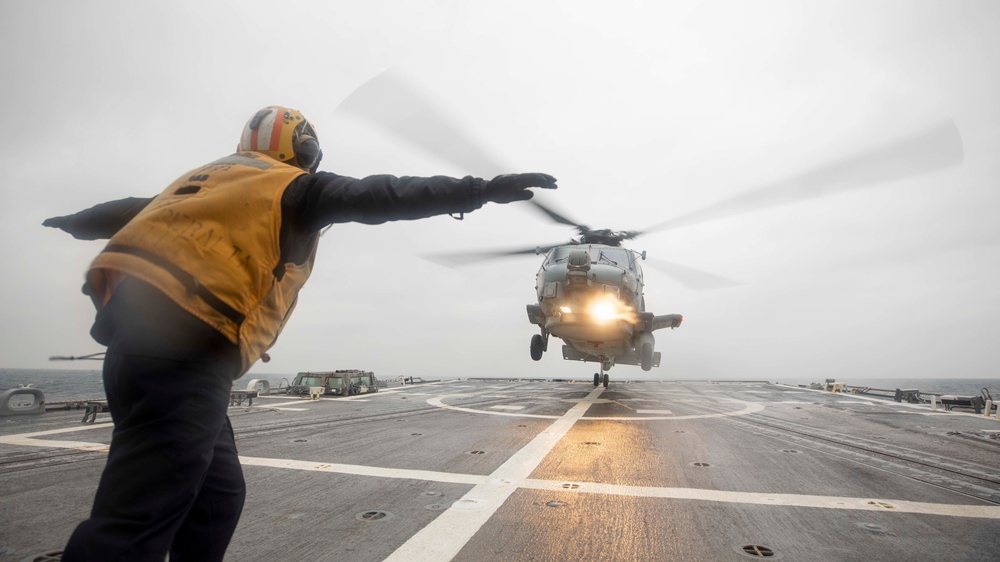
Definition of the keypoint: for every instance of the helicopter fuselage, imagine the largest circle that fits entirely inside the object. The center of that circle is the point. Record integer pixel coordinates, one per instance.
(591, 297)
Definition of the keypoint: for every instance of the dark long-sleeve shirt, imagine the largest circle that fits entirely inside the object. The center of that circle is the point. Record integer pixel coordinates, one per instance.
(314, 201)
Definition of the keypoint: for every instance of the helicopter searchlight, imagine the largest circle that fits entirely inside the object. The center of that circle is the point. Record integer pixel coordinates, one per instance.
(607, 308)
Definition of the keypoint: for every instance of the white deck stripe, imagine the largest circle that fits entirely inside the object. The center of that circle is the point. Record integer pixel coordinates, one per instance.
(794, 500)
(362, 470)
(444, 537)
(303, 402)
(30, 442)
(101, 425)
(511, 483)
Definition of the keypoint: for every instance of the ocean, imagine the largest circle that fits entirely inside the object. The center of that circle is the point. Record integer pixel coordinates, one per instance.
(60, 385)
(63, 385)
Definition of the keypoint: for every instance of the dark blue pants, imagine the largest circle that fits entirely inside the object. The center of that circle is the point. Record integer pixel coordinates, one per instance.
(173, 481)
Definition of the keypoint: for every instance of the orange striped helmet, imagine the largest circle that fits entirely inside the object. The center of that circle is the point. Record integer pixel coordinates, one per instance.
(283, 134)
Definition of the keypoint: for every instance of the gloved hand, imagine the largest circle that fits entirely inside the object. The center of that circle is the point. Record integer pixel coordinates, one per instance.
(56, 222)
(514, 187)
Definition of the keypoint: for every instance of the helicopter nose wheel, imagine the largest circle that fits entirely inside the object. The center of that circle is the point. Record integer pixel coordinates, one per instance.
(537, 347)
(602, 377)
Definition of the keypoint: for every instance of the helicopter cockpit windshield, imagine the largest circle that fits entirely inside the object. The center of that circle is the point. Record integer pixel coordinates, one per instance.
(618, 257)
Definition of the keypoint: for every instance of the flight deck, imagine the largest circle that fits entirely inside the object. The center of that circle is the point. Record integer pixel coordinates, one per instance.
(532, 470)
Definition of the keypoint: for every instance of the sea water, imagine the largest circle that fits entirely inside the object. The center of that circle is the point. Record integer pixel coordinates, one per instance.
(61, 385)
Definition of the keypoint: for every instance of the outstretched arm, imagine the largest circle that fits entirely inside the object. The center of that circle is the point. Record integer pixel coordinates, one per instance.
(324, 198)
(101, 221)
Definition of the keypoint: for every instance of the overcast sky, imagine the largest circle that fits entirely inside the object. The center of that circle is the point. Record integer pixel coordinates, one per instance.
(643, 110)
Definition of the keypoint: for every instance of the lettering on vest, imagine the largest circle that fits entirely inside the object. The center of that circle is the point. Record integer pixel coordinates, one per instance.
(184, 226)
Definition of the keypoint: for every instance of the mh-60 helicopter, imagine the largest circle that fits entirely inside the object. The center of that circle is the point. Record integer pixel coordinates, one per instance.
(590, 291)
(590, 295)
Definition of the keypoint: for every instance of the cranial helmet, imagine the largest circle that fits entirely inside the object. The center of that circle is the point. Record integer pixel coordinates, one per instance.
(283, 134)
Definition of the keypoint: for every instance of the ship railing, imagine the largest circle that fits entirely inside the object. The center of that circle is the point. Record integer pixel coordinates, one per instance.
(909, 395)
(872, 391)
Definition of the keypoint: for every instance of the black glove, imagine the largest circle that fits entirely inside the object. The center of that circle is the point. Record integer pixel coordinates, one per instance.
(56, 222)
(514, 187)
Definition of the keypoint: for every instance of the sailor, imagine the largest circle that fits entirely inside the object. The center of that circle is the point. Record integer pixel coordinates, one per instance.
(193, 287)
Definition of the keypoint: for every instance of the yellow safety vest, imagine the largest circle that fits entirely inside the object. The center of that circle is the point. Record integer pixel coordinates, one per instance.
(210, 242)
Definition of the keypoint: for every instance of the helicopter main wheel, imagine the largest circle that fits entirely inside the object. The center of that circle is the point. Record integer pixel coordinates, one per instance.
(597, 379)
(646, 356)
(606, 379)
(537, 346)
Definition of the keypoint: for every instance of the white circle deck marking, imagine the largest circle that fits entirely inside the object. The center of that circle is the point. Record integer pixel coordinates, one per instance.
(748, 408)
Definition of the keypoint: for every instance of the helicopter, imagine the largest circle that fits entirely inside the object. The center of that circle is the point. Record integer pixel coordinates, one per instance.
(590, 290)
(590, 295)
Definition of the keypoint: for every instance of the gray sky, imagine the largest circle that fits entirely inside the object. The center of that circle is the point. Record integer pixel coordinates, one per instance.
(643, 110)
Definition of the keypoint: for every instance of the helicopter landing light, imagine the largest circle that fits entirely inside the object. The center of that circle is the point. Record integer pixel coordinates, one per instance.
(606, 308)
(603, 310)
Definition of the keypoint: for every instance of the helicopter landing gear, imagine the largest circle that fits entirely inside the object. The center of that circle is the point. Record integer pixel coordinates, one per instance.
(537, 347)
(646, 357)
(602, 377)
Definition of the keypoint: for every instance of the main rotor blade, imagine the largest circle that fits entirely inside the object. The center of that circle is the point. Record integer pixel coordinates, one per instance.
(934, 149)
(466, 258)
(558, 217)
(388, 101)
(690, 277)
